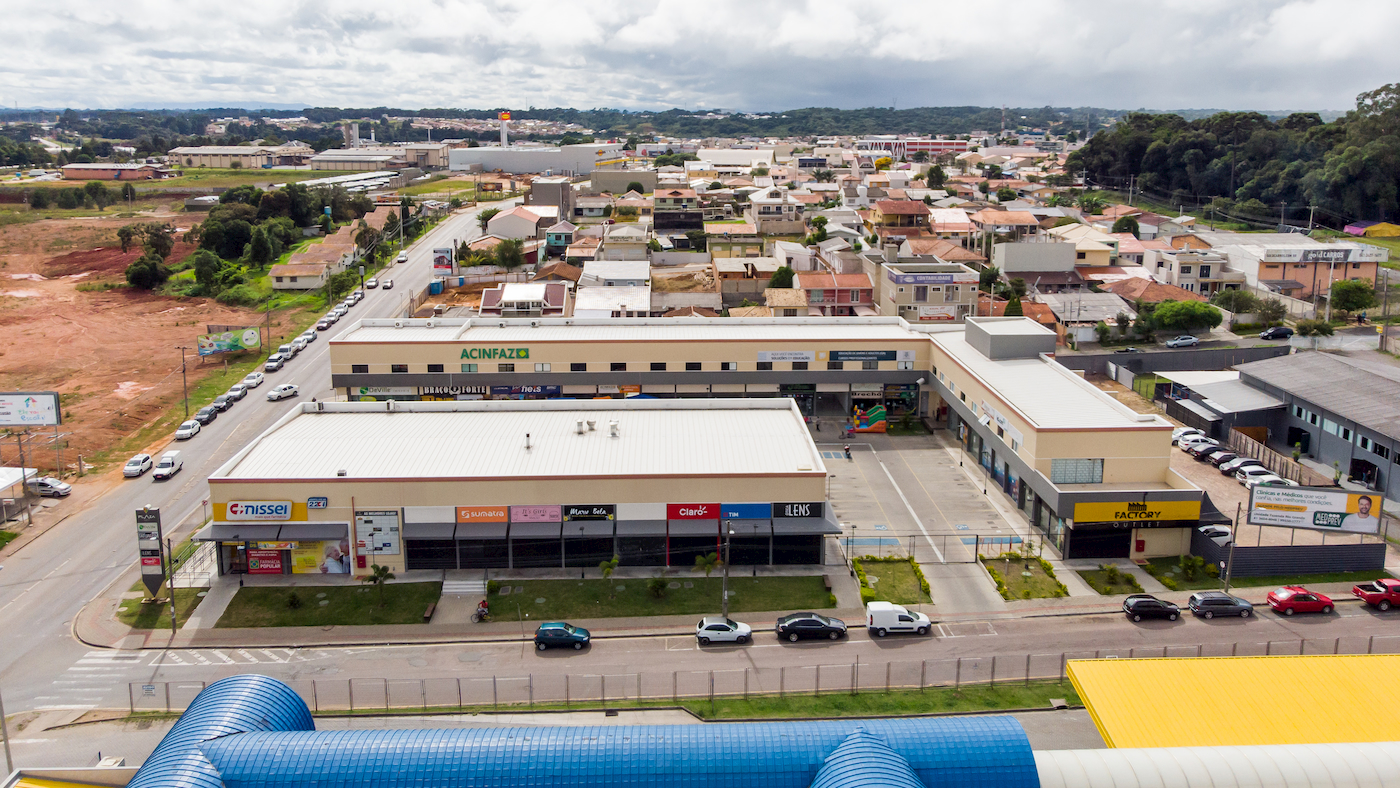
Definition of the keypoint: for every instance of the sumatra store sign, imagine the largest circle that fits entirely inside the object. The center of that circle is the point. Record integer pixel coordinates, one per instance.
(483, 514)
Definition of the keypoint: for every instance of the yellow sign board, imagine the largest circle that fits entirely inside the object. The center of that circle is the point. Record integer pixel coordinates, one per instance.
(1136, 511)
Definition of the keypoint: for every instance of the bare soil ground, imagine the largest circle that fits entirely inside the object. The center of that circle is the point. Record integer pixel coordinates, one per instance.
(112, 355)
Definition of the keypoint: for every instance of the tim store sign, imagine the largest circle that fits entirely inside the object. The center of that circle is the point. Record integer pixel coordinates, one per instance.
(258, 510)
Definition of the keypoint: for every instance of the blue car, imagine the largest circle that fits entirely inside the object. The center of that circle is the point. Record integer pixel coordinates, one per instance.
(555, 634)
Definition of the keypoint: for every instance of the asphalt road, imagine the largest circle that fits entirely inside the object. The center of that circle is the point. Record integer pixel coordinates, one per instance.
(45, 584)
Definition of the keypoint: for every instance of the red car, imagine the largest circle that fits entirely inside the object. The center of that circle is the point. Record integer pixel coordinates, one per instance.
(1296, 599)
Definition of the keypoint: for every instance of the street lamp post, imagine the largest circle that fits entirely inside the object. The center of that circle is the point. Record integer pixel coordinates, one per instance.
(185, 381)
(724, 584)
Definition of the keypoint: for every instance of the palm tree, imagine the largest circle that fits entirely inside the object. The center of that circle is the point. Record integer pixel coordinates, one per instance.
(380, 575)
(707, 563)
(824, 176)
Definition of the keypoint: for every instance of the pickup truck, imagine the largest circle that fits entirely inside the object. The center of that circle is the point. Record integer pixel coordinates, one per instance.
(1381, 594)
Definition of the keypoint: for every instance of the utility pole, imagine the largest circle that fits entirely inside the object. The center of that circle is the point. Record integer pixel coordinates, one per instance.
(170, 582)
(724, 584)
(1311, 209)
(5, 732)
(185, 381)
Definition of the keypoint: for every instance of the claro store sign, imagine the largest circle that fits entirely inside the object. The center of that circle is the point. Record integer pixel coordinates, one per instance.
(258, 510)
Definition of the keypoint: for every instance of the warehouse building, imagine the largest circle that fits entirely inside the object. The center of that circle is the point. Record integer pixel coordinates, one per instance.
(1083, 468)
(338, 487)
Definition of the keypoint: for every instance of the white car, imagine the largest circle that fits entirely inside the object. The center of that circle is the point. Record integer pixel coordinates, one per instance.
(718, 629)
(1181, 433)
(238, 391)
(187, 430)
(282, 392)
(1192, 440)
(1269, 480)
(253, 379)
(49, 487)
(370, 284)
(309, 335)
(402, 258)
(137, 465)
(1243, 475)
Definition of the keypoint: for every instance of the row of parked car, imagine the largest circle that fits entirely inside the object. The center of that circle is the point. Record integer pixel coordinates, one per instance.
(1209, 604)
(1246, 470)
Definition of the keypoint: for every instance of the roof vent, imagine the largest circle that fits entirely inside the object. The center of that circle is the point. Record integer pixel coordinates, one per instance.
(320, 407)
(614, 430)
(502, 324)
(527, 441)
(580, 430)
(592, 425)
(340, 472)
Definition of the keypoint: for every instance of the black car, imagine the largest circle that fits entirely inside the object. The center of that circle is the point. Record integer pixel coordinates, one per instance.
(206, 414)
(1277, 332)
(1140, 606)
(809, 625)
(1203, 448)
(223, 402)
(1220, 458)
(557, 634)
(1209, 604)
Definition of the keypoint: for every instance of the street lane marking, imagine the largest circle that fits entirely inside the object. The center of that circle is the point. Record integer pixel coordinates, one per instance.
(912, 514)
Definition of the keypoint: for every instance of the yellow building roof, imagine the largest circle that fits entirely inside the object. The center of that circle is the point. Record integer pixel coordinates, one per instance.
(1239, 700)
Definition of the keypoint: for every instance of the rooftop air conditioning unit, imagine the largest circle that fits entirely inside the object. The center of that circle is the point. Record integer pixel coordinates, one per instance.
(429, 323)
(398, 324)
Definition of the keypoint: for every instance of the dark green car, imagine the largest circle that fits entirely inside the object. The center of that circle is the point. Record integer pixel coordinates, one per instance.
(555, 634)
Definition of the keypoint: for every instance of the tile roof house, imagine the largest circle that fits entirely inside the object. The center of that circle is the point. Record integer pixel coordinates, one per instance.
(899, 213)
(785, 302)
(940, 248)
(1151, 292)
(837, 294)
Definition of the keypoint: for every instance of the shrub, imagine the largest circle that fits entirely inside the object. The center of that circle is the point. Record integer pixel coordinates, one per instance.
(240, 295)
(493, 586)
(656, 586)
(1169, 583)
(867, 595)
(831, 600)
(293, 601)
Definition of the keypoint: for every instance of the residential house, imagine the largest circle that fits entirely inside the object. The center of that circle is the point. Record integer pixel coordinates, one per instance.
(1133, 288)
(691, 311)
(558, 272)
(733, 239)
(996, 307)
(899, 214)
(530, 248)
(521, 222)
(1046, 267)
(613, 301)
(951, 223)
(1208, 271)
(1077, 314)
(526, 299)
(553, 191)
(624, 242)
(1018, 224)
(939, 250)
(676, 210)
(773, 212)
(753, 311)
(784, 302)
(298, 276)
(616, 273)
(582, 250)
(837, 294)
(592, 207)
(744, 279)
(928, 292)
(558, 236)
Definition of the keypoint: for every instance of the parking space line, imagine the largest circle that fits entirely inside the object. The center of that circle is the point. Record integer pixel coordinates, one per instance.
(912, 514)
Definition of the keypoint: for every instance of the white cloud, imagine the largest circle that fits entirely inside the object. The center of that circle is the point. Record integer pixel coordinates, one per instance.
(741, 54)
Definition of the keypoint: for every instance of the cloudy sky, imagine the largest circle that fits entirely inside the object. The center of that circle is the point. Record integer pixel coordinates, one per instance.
(744, 55)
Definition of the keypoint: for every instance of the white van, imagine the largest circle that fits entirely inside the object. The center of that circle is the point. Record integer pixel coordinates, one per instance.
(170, 464)
(883, 618)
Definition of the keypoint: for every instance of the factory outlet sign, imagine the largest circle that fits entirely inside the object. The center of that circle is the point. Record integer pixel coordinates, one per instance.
(494, 353)
(1136, 511)
(258, 510)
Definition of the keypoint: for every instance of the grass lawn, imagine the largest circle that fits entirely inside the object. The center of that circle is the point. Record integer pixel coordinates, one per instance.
(578, 599)
(321, 606)
(1018, 578)
(1161, 568)
(1122, 583)
(157, 616)
(7, 536)
(892, 580)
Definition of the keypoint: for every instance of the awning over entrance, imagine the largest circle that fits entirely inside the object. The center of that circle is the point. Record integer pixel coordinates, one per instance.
(242, 532)
(588, 528)
(428, 530)
(641, 527)
(296, 532)
(534, 530)
(694, 527)
(795, 526)
(1211, 514)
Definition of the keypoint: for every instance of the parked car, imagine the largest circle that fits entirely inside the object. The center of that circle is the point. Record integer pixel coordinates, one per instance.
(238, 391)
(718, 629)
(388, 284)
(49, 487)
(1270, 480)
(1140, 606)
(1186, 443)
(1209, 604)
(1221, 457)
(1381, 594)
(275, 362)
(1185, 340)
(324, 324)
(253, 379)
(1229, 468)
(206, 414)
(1213, 531)
(809, 625)
(299, 344)
(883, 618)
(1243, 475)
(137, 465)
(1127, 350)
(402, 258)
(370, 284)
(309, 335)
(1211, 455)
(1277, 332)
(1203, 448)
(223, 402)
(289, 351)
(170, 464)
(282, 392)
(187, 430)
(1182, 433)
(1297, 599)
(556, 634)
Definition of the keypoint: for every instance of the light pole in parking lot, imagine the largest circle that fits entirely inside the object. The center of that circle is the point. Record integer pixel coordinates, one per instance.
(724, 584)
(185, 381)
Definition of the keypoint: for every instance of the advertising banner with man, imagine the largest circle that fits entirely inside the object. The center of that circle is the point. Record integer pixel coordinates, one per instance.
(249, 338)
(1316, 508)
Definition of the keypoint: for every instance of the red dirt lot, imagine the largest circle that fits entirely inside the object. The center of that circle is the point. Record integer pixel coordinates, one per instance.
(111, 354)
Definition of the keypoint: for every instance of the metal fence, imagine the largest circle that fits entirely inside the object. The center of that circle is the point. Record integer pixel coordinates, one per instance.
(958, 548)
(559, 688)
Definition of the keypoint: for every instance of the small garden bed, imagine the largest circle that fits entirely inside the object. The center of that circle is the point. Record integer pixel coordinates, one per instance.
(1175, 575)
(1022, 577)
(897, 580)
(318, 606)
(156, 615)
(680, 593)
(1110, 580)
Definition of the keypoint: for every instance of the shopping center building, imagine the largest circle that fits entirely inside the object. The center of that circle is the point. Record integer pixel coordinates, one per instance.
(1089, 472)
(337, 487)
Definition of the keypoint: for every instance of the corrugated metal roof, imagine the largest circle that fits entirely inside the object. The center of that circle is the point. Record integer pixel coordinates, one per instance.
(1233, 396)
(1239, 700)
(1368, 395)
(419, 440)
(1264, 766)
(518, 331)
(1043, 391)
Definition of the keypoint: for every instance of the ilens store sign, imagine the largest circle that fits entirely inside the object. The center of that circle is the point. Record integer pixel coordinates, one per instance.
(258, 510)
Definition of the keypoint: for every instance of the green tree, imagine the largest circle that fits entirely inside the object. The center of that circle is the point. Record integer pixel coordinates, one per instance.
(379, 575)
(1234, 300)
(485, 217)
(1091, 203)
(988, 278)
(935, 177)
(39, 199)
(1017, 285)
(823, 176)
(1122, 321)
(883, 163)
(653, 245)
(921, 156)
(206, 267)
(100, 195)
(1313, 328)
(260, 248)
(635, 186)
(1071, 137)
(1352, 295)
(1013, 307)
(1271, 310)
(782, 278)
(715, 185)
(992, 172)
(1127, 224)
(510, 253)
(126, 235)
(1006, 194)
(128, 192)
(699, 239)
(707, 563)
(147, 272)
(1186, 315)
(1101, 328)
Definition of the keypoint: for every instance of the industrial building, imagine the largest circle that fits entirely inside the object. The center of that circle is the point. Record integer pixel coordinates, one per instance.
(1086, 470)
(562, 160)
(337, 487)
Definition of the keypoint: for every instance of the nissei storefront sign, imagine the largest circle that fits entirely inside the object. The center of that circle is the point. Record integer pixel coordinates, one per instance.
(692, 511)
(800, 509)
(259, 510)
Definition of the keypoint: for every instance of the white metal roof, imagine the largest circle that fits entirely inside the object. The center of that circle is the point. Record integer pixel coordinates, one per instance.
(617, 269)
(523, 330)
(1194, 377)
(1263, 766)
(466, 440)
(1043, 391)
(629, 299)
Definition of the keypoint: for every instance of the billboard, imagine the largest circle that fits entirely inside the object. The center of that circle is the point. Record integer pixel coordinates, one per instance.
(1315, 508)
(247, 338)
(442, 262)
(29, 409)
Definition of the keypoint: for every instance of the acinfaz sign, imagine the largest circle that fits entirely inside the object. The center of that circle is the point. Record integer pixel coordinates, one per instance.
(692, 511)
